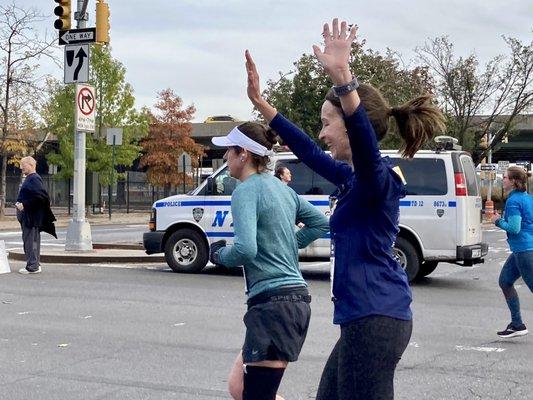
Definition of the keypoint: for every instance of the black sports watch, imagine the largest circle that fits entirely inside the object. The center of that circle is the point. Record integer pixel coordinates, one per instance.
(345, 89)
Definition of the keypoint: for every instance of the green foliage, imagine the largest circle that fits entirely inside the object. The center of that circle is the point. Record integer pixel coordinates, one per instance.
(299, 94)
(115, 108)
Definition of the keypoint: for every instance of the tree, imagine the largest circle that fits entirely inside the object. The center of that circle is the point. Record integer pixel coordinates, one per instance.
(21, 89)
(115, 108)
(169, 136)
(299, 94)
(501, 90)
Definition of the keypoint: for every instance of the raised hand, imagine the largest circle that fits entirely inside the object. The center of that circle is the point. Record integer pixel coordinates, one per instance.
(254, 91)
(336, 54)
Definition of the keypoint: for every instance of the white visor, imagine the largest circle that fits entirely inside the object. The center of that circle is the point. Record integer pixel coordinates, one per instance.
(237, 138)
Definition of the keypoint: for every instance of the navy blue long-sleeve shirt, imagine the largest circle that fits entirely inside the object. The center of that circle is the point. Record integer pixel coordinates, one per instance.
(367, 279)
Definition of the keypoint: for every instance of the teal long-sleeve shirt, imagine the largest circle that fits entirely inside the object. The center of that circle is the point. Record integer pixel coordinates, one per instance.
(517, 221)
(265, 212)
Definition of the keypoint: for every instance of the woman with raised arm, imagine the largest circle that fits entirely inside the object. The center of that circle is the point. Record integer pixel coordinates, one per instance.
(264, 211)
(370, 290)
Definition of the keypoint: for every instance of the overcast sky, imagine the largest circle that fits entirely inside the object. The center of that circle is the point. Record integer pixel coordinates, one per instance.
(195, 47)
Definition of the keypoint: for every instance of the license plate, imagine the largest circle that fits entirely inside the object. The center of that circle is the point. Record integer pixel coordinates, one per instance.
(476, 253)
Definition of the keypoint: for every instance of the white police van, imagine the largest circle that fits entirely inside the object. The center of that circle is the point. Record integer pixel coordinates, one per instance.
(440, 218)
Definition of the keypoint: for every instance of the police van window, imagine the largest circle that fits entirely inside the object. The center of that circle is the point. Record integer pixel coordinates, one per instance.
(470, 175)
(305, 181)
(424, 176)
(224, 184)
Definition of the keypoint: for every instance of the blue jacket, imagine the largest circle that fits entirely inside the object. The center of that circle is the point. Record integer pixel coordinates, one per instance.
(518, 221)
(367, 279)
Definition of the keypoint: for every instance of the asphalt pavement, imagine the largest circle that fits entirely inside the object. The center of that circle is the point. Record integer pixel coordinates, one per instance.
(139, 331)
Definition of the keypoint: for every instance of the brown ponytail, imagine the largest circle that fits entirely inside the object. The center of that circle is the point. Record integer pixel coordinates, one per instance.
(418, 120)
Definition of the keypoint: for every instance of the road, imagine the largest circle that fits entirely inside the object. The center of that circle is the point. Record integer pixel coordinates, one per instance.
(143, 332)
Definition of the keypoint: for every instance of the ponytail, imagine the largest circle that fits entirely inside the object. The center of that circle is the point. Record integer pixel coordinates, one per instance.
(418, 121)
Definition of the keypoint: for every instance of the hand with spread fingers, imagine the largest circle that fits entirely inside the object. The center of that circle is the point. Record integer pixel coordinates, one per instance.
(336, 54)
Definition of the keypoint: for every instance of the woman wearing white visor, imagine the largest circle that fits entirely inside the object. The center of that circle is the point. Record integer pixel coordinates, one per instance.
(264, 214)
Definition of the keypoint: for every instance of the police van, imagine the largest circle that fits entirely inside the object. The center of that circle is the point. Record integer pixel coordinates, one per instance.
(440, 218)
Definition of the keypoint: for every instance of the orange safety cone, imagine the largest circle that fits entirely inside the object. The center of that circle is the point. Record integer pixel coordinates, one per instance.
(489, 209)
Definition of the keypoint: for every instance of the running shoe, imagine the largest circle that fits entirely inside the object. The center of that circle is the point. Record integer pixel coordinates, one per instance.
(513, 331)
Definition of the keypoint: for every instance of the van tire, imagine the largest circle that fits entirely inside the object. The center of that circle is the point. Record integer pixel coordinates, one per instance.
(408, 257)
(426, 268)
(186, 251)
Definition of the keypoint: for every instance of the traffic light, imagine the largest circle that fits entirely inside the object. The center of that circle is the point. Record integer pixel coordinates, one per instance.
(102, 22)
(63, 14)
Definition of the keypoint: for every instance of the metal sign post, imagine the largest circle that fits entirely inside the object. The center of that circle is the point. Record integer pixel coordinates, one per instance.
(114, 138)
(184, 166)
(79, 231)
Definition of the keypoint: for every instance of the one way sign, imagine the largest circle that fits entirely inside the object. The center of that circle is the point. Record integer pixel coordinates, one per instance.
(77, 64)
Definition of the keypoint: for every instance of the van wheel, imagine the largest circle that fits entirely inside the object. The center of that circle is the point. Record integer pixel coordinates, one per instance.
(426, 268)
(407, 257)
(185, 251)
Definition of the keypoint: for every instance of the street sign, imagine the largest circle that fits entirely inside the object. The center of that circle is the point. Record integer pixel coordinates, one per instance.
(488, 167)
(76, 63)
(114, 133)
(503, 165)
(85, 108)
(77, 36)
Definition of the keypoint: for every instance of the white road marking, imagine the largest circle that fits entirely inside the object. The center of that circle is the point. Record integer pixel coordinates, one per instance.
(481, 349)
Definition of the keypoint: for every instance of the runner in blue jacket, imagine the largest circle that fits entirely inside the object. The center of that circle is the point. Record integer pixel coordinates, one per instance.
(370, 290)
(518, 223)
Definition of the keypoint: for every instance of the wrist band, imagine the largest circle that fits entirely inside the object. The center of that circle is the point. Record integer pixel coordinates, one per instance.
(345, 89)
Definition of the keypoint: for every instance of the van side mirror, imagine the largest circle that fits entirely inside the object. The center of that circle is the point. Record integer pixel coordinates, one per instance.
(211, 186)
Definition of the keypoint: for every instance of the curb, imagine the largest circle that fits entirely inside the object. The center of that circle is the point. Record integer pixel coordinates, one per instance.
(93, 257)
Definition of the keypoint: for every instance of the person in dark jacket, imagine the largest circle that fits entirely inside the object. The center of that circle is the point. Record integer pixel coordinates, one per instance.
(34, 214)
(370, 290)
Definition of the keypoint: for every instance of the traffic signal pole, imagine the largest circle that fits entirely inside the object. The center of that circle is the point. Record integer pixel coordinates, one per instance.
(79, 230)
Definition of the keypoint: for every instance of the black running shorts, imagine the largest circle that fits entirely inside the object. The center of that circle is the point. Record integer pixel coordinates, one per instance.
(276, 325)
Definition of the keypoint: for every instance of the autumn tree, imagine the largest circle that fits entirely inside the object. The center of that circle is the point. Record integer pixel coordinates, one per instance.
(299, 93)
(169, 136)
(21, 88)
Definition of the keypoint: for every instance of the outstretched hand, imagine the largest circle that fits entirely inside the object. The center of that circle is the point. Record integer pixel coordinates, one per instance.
(336, 54)
(253, 89)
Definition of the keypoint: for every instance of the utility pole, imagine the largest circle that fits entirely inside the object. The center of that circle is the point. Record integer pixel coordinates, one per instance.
(79, 231)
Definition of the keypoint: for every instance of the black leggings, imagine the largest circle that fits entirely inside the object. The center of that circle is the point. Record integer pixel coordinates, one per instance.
(362, 363)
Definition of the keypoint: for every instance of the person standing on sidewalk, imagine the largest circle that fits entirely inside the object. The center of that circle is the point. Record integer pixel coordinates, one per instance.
(264, 211)
(517, 221)
(370, 290)
(34, 214)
